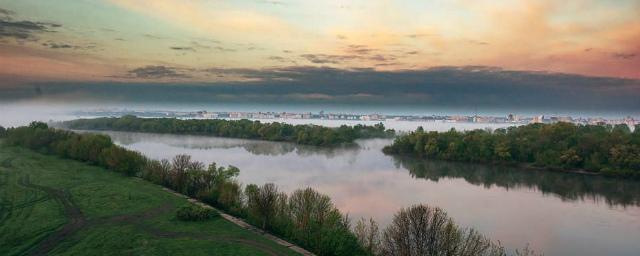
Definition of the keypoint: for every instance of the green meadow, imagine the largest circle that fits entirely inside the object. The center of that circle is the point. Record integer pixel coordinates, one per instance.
(56, 206)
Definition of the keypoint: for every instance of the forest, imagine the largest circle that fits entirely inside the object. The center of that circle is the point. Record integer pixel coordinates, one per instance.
(245, 129)
(605, 149)
(304, 216)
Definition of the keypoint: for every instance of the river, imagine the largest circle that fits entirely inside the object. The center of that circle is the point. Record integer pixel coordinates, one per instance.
(555, 213)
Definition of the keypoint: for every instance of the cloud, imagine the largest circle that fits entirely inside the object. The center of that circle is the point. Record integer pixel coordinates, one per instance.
(414, 36)
(463, 87)
(381, 58)
(223, 49)
(182, 48)
(24, 30)
(57, 45)
(200, 45)
(353, 53)
(359, 49)
(387, 64)
(155, 37)
(476, 42)
(625, 56)
(328, 58)
(277, 58)
(6, 12)
(156, 72)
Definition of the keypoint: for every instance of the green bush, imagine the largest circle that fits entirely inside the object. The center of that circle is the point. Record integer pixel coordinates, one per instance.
(192, 212)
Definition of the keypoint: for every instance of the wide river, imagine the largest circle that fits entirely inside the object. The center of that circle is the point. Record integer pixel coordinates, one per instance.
(555, 213)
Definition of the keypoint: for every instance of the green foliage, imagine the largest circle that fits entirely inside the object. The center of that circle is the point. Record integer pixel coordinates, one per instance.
(192, 212)
(92, 148)
(246, 129)
(3, 131)
(612, 150)
(424, 230)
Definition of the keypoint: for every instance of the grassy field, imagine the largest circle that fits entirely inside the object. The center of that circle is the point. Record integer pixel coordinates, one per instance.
(62, 207)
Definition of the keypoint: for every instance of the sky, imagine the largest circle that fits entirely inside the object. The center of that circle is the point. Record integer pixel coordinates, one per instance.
(191, 41)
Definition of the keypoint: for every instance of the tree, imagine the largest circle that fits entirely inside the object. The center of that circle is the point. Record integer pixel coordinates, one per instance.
(431, 149)
(123, 161)
(368, 235)
(38, 125)
(421, 230)
(308, 210)
(502, 151)
(262, 202)
(180, 165)
(570, 159)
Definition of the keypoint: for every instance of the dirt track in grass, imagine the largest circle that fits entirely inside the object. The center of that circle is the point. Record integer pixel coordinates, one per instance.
(78, 221)
(71, 211)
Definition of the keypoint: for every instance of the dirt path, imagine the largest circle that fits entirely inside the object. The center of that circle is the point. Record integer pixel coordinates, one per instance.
(76, 219)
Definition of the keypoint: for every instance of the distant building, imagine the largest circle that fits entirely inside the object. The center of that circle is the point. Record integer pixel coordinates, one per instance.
(537, 119)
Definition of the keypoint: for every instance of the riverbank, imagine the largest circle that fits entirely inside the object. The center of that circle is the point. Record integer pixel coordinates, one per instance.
(53, 206)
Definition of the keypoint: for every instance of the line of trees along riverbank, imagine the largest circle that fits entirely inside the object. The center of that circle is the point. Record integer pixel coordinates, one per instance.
(305, 216)
(610, 150)
(245, 129)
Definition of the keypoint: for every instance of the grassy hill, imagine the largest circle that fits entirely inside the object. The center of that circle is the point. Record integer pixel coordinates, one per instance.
(64, 207)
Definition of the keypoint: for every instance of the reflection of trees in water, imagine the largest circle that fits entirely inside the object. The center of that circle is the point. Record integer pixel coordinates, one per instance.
(255, 147)
(282, 148)
(568, 186)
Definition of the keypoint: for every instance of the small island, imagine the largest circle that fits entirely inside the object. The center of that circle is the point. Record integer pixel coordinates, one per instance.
(305, 134)
(598, 149)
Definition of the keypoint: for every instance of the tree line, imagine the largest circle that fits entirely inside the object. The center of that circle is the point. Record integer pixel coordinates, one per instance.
(606, 149)
(246, 129)
(304, 216)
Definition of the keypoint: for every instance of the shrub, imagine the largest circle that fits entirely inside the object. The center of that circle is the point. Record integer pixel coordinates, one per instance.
(192, 212)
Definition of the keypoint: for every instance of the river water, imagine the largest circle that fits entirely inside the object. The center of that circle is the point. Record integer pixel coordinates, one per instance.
(555, 213)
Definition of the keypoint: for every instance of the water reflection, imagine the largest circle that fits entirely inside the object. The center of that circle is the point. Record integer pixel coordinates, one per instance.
(255, 147)
(568, 186)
